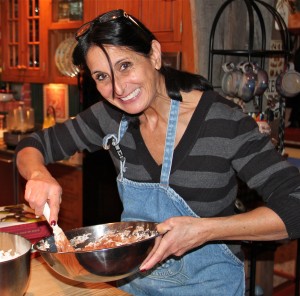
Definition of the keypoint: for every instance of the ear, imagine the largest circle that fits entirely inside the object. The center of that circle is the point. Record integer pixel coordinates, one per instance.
(156, 54)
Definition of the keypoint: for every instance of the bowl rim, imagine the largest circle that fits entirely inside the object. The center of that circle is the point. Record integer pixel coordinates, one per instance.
(35, 247)
(25, 252)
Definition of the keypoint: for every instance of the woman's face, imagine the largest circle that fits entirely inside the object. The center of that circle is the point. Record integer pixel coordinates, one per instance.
(137, 82)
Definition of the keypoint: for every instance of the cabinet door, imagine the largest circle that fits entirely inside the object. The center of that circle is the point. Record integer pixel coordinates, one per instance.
(93, 8)
(7, 180)
(163, 18)
(24, 23)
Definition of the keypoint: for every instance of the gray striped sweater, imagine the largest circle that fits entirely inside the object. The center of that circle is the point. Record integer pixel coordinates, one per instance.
(220, 143)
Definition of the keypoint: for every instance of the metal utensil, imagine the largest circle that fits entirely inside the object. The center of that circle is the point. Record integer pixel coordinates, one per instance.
(61, 241)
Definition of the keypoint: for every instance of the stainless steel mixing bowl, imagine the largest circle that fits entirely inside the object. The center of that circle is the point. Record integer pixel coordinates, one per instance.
(14, 273)
(102, 265)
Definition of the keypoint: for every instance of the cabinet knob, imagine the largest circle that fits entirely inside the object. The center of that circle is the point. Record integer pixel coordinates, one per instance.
(21, 67)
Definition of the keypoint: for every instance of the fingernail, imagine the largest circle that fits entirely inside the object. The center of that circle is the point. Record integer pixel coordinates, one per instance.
(53, 223)
(143, 270)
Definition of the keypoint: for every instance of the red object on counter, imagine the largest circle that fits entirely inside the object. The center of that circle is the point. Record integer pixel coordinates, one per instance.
(20, 219)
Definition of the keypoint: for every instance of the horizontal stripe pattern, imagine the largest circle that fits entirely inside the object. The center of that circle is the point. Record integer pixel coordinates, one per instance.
(220, 143)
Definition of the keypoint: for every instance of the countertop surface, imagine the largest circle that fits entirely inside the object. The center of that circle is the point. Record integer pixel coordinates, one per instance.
(45, 282)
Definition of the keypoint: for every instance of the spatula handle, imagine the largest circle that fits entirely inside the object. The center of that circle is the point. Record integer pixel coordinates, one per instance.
(46, 212)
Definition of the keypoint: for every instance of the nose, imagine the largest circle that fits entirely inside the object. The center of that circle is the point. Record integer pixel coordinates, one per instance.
(119, 86)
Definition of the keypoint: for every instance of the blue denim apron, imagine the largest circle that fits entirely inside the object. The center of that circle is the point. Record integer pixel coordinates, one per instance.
(211, 269)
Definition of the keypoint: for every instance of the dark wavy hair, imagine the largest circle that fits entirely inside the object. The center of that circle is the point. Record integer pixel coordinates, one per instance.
(132, 34)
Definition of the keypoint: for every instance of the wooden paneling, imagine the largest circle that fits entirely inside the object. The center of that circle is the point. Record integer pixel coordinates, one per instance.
(93, 8)
(163, 18)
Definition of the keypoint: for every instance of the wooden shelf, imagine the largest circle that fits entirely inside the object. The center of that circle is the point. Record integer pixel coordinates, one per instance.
(66, 25)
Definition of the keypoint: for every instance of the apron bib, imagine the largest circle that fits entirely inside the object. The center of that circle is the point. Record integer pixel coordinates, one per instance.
(211, 269)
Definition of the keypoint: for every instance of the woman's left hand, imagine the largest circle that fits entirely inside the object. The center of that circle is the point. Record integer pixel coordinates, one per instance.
(179, 235)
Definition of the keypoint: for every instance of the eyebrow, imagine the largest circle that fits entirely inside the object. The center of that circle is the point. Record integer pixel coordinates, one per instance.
(96, 71)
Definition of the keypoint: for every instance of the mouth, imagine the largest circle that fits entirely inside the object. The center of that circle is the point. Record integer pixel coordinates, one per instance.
(131, 95)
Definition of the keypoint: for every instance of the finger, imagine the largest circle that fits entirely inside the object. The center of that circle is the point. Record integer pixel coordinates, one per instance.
(156, 245)
(160, 253)
(27, 193)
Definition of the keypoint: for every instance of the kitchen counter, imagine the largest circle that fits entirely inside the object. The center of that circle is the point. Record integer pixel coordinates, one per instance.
(45, 282)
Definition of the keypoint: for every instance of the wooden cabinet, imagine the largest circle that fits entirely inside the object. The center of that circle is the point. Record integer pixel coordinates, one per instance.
(24, 40)
(93, 8)
(163, 18)
(7, 196)
(32, 31)
(62, 27)
(169, 20)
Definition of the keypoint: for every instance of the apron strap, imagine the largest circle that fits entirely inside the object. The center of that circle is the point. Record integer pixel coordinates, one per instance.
(169, 144)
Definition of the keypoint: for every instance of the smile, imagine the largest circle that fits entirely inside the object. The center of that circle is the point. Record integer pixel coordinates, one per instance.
(132, 95)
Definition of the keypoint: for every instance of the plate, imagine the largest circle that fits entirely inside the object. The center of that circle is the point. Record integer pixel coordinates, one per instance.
(63, 57)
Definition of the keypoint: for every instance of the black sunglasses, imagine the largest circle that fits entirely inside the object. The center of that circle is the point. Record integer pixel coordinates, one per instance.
(104, 18)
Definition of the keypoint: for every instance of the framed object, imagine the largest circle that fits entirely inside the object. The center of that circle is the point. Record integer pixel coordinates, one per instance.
(57, 96)
(172, 59)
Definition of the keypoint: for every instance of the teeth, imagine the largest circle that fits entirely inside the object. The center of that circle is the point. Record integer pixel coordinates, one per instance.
(132, 95)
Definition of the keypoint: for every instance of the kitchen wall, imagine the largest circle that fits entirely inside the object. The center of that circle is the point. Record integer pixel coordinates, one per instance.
(232, 30)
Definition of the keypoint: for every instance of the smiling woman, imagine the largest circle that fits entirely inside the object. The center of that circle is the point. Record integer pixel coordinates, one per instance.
(178, 148)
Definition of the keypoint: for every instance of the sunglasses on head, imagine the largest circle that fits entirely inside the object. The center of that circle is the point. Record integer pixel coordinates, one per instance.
(104, 18)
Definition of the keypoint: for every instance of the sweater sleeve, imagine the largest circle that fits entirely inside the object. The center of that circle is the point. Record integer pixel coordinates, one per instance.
(84, 132)
(259, 164)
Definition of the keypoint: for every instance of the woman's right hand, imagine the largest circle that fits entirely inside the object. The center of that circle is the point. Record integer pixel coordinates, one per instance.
(41, 187)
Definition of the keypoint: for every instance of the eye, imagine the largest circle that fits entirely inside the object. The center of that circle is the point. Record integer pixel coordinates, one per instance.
(124, 66)
(101, 76)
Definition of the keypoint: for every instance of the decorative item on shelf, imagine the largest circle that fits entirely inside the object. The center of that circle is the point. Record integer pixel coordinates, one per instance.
(288, 82)
(2, 125)
(70, 10)
(57, 96)
(244, 81)
(63, 57)
(20, 119)
(231, 79)
(63, 10)
(262, 82)
(6, 96)
(76, 8)
(49, 120)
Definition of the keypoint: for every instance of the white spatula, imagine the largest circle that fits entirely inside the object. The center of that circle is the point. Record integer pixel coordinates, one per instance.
(61, 241)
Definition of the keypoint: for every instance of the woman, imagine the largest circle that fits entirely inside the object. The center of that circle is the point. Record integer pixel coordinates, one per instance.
(178, 147)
